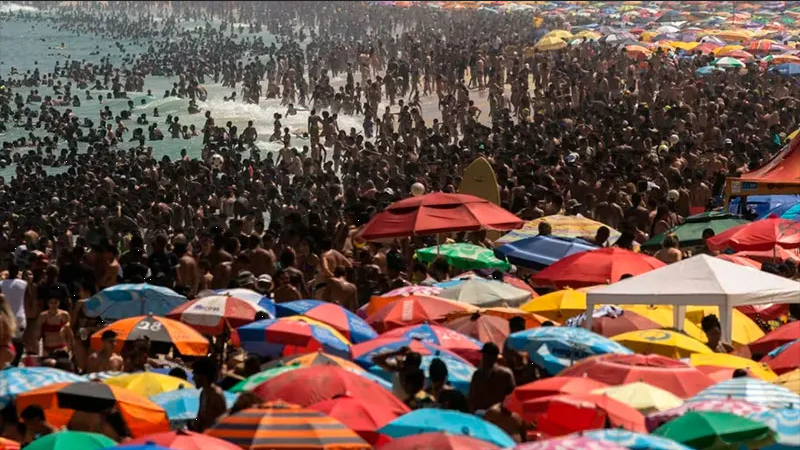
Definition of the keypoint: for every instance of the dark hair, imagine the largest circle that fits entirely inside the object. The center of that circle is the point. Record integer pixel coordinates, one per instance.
(516, 323)
(412, 359)
(709, 322)
(178, 372)
(437, 370)
(207, 367)
(32, 412)
(108, 334)
(415, 380)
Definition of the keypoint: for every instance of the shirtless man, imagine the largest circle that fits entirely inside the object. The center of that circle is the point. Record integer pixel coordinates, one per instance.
(212, 401)
(262, 261)
(491, 382)
(338, 290)
(105, 359)
(188, 273)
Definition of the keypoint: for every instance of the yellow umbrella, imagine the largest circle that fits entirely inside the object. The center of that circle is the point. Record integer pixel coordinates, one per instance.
(662, 315)
(550, 43)
(588, 34)
(642, 396)
(665, 45)
(734, 35)
(558, 305)
(782, 59)
(733, 362)
(684, 45)
(661, 342)
(560, 34)
(722, 51)
(793, 134)
(148, 384)
(790, 380)
(745, 330)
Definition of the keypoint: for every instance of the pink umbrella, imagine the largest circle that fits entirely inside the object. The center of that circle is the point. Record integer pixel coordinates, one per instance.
(737, 407)
(569, 442)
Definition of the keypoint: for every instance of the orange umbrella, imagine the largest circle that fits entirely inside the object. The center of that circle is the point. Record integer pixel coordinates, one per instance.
(637, 51)
(414, 309)
(483, 327)
(741, 54)
(532, 320)
(163, 334)
(8, 444)
(80, 403)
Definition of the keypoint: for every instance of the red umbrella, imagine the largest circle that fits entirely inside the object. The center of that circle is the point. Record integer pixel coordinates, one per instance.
(446, 338)
(414, 309)
(719, 373)
(659, 371)
(548, 387)
(776, 253)
(482, 327)
(438, 441)
(769, 311)
(787, 359)
(182, 440)
(619, 414)
(606, 265)
(438, 213)
(741, 260)
(774, 339)
(759, 235)
(361, 416)
(628, 321)
(316, 384)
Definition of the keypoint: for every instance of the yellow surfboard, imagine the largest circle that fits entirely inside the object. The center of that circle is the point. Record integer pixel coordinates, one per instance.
(480, 180)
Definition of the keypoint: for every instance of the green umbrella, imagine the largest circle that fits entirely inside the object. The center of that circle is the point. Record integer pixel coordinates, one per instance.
(691, 232)
(254, 380)
(71, 440)
(463, 256)
(710, 430)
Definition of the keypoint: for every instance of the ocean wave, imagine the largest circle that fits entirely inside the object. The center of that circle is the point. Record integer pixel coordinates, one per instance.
(13, 7)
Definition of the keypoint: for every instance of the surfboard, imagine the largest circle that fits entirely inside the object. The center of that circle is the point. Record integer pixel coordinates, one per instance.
(480, 180)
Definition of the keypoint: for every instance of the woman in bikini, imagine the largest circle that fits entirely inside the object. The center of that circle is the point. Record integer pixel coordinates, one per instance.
(8, 328)
(54, 328)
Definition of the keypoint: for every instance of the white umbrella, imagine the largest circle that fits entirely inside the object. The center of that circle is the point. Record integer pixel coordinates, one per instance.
(484, 293)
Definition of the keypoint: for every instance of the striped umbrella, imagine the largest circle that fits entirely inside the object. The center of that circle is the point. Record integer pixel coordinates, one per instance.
(737, 407)
(126, 300)
(292, 335)
(634, 441)
(785, 423)
(164, 334)
(464, 346)
(182, 405)
(345, 322)
(247, 295)
(569, 443)
(214, 314)
(278, 425)
(104, 375)
(18, 380)
(751, 390)
(182, 440)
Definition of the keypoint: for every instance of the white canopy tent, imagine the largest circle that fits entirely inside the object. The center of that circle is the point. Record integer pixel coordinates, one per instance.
(698, 281)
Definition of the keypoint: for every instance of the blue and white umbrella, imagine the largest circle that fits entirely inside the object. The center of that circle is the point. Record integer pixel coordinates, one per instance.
(247, 295)
(633, 441)
(104, 375)
(19, 380)
(751, 390)
(130, 300)
(181, 405)
(538, 252)
(785, 423)
(556, 348)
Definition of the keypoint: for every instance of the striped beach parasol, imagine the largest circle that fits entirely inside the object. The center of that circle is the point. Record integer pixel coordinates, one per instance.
(18, 380)
(163, 334)
(752, 390)
(278, 425)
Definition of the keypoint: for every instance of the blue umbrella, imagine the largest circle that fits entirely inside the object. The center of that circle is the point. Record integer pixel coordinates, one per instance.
(129, 300)
(790, 212)
(181, 405)
(784, 422)
(539, 252)
(270, 337)
(633, 441)
(556, 348)
(708, 70)
(359, 330)
(18, 380)
(249, 296)
(428, 420)
(761, 205)
(787, 69)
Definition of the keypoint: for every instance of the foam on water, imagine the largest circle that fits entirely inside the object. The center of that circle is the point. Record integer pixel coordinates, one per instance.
(14, 8)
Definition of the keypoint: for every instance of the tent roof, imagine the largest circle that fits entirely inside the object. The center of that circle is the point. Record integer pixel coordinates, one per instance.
(783, 167)
(700, 280)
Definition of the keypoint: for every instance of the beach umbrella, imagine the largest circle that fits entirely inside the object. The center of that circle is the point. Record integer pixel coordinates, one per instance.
(18, 380)
(776, 254)
(558, 305)
(164, 334)
(292, 335)
(63, 401)
(706, 48)
(627, 321)
(785, 423)
(690, 233)
(712, 430)
(481, 327)
(745, 330)
(126, 300)
(633, 441)
(182, 405)
(550, 43)
(411, 290)
(641, 396)
(183, 440)
(562, 226)
(428, 420)
(728, 62)
(664, 316)
(360, 415)
(783, 59)
(569, 443)
(555, 348)
(790, 381)
(787, 69)
(737, 407)
(438, 213)
(662, 342)
(741, 260)
(761, 45)
(460, 344)
(741, 55)
(531, 320)
(547, 387)
(538, 252)
(638, 51)
(760, 235)
(724, 360)
(784, 358)
(215, 314)
(704, 71)
(437, 441)
(560, 34)
(606, 265)
(463, 255)
(588, 35)
(279, 425)
(414, 309)
(483, 292)
(459, 370)
(71, 440)
(148, 384)
(666, 373)
(320, 383)
(734, 35)
(559, 414)
(247, 295)
(8, 444)
(345, 322)
(751, 390)
(377, 302)
(254, 380)
(782, 335)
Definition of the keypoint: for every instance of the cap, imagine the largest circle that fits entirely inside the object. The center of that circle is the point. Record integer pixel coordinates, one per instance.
(728, 141)
(264, 282)
(246, 278)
